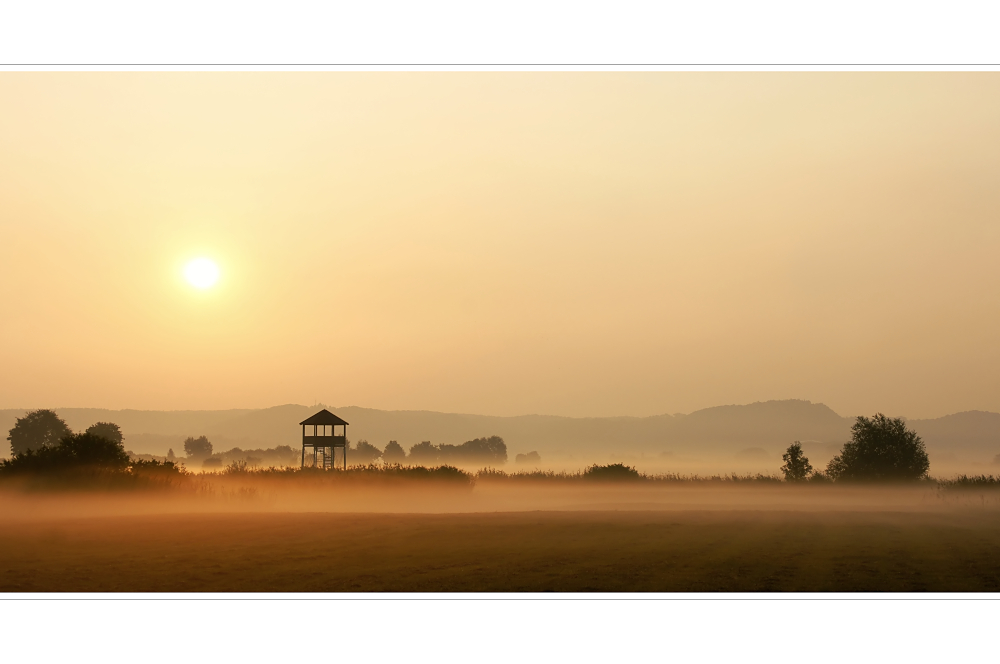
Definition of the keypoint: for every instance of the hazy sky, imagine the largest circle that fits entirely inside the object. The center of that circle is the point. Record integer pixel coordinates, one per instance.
(502, 243)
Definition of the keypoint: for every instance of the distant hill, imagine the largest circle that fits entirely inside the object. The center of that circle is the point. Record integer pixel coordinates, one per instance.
(721, 430)
(974, 433)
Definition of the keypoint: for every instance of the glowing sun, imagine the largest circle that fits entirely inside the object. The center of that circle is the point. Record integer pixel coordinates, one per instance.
(201, 273)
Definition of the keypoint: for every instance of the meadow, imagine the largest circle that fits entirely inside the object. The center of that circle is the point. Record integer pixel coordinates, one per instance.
(409, 529)
(567, 551)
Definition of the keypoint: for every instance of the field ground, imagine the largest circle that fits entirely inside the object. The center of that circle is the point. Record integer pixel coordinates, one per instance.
(652, 550)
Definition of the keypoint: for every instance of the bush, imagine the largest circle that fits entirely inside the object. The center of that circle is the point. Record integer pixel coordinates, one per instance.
(153, 467)
(880, 449)
(451, 474)
(615, 472)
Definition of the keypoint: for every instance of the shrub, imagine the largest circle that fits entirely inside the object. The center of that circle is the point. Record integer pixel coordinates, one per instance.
(615, 472)
(155, 468)
(451, 474)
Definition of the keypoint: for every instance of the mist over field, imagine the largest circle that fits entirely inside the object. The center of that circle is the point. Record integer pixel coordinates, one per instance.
(249, 536)
(744, 438)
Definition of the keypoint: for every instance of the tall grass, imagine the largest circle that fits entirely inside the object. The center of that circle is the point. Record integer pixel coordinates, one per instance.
(157, 475)
(970, 482)
(394, 473)
(619, 473)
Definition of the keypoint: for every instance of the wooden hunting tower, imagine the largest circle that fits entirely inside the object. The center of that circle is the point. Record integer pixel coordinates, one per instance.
(323, 444)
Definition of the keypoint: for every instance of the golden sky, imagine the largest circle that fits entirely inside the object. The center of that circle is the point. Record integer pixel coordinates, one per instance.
(501, 243)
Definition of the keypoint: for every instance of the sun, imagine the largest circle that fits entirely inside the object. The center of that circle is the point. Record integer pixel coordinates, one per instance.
(201, 273)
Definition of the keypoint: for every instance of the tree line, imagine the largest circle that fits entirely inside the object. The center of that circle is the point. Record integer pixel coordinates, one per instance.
(42, 441)
(201, 451)
(881, 449)
(42, 434)
(491, 451)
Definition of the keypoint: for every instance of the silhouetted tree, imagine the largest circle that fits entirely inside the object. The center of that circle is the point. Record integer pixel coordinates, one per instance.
(76, 450)
(424, 453)
(530, 457)
(491, 451)
(37, 429)
(108, 430)
(198, 448)
(394, 453)
(797, 466)
(880, 449)
(365, 453)
(171, 457)
(89, 449)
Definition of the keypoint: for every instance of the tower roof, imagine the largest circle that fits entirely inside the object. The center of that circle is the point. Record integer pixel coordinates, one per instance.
(323, 417)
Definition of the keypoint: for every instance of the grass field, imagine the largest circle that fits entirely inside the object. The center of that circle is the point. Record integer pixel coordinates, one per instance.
(652, 550)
